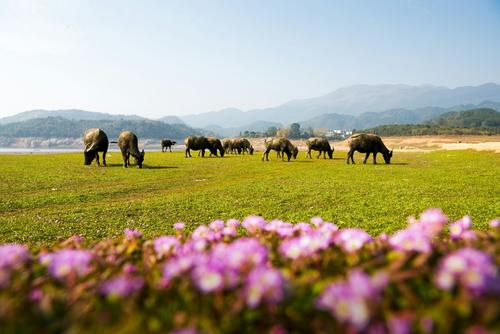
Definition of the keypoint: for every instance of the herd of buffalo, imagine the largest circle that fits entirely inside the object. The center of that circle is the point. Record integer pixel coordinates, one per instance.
(96, 140)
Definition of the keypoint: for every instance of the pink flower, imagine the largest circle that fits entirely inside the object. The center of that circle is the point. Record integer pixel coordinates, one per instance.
(264, 285)
(254, 224)
(179, 226)
(352, 239)
(165, 246)
(67, 262)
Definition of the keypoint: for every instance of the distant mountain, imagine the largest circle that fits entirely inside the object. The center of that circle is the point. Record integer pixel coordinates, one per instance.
(227, 118)
(353, 101)
(171, 120)
(482, 121)
(392, 116)
(258, 126)
(71, 114)
(59, 127)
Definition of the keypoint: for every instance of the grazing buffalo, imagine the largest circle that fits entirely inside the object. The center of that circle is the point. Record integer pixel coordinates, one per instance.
(243, 145)
(368, 143)
(215, 145)
(282, 146)
(240, 145)
(198, 143)
(227, 145)
(95, 140)
(128, 144)
(167, 143)
(319, 144)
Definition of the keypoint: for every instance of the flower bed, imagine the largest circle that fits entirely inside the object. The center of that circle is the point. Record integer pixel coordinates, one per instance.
(258, 276)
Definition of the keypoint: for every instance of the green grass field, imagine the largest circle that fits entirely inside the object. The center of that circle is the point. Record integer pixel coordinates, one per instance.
(45, 197)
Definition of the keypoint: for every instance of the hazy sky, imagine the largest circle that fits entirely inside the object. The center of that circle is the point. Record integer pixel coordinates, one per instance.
(157, 58)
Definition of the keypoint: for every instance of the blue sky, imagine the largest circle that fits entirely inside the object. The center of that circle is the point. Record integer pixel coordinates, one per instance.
(157, 58)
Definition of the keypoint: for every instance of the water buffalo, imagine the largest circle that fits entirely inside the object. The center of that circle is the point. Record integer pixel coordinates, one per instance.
(319, 144)
(280, 145)
(227, 145)
(167, 143)
(295, 152)
(240, 145)
(368, 143)
(198, 143)
(216, 145)
(128, 144)
(95, 140)
(243, 145)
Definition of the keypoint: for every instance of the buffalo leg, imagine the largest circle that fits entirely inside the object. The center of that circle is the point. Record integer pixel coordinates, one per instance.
(97, 159)
(187, 152)
(366, 157)
(319, 154)
(350, 155)
(170, 148)
(104, 158)
(266, 154)
(124, 155)
(375, 158)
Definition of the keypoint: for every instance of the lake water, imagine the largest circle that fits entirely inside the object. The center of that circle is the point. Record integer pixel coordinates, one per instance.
(29, 150)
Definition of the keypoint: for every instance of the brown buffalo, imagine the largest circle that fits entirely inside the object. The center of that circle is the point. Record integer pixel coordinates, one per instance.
(368, 143)
(95, 140)
(282, 146)
(198, 143)
(167, 143)
(319, 144)
(128, 144)
(240, 145)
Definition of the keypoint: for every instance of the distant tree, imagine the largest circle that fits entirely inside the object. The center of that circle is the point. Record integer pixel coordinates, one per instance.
(271, 131)
(294, 130)
(283, 132)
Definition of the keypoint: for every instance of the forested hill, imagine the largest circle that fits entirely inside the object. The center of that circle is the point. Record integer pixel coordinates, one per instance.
(475, 118)
(58, 127)
(483, 121)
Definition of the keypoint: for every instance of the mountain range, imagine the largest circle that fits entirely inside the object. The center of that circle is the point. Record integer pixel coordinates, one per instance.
(353, 101)
(358, 106)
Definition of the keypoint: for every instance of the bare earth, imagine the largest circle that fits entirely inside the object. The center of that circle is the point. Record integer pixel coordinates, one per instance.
(417, 143)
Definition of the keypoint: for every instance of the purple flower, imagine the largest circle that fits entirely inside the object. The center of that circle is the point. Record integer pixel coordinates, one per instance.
(132, 234)
(179, 226)
(242, 254)
(207, 278)
(349, 301)
(13, 256)
(233, 223)
(229, 231)
(177, 266)
(352, 239)
(165, 246)
(495, 223)
(121, 286)
(264, 285)
(431, 222)
(217, 225)
(458, 228)
(470, 268)
(302, 228)
(399, 325)
(317, 221)
(305, 245)
(254, 224)
(411, 240)
(67, 262)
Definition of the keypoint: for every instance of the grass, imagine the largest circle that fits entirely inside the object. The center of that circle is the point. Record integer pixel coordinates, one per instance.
(47, 197)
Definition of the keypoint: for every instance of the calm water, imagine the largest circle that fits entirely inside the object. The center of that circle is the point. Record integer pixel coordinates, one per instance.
(17, 150)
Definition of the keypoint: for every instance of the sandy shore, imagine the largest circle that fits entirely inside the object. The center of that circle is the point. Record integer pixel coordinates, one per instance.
(417, 143)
